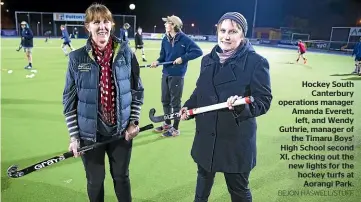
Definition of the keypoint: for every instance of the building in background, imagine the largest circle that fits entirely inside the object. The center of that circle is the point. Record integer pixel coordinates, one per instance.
(268, 33)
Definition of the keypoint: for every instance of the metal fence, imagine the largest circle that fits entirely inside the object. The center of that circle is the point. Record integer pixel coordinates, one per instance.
(40, 22)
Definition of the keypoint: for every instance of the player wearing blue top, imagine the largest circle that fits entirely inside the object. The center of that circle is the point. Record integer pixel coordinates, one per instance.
(66, 38)
(178, 47)
(357, 53)
(124, 32)
(27, 42)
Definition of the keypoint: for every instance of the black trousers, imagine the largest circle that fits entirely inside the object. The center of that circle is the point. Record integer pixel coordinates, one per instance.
(119, 153)
(172, 90)
(237, 184)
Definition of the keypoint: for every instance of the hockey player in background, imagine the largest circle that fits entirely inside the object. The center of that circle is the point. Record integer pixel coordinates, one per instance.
(138, 39)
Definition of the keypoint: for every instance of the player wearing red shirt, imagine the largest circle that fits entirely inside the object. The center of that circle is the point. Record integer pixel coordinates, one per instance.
(301, 51)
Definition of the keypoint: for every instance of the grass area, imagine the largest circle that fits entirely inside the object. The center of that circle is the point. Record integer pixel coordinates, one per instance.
(162, 169)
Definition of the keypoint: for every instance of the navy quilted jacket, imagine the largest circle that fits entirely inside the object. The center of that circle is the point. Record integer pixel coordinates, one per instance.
(81, 92)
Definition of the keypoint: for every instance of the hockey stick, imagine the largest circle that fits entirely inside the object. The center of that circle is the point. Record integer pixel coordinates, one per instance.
(190, 112)
(162, 63)
(13, 171)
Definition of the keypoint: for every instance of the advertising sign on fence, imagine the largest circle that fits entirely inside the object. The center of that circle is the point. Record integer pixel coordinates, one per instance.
(8, 32)
(75, 17)
(355, 31)
(198, 37)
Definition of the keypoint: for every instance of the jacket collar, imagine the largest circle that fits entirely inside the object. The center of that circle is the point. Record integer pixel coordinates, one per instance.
(175, 38)
(241, 51)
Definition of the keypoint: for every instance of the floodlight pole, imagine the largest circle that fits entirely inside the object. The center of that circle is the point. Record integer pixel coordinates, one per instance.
(254, 18)
(16, 23)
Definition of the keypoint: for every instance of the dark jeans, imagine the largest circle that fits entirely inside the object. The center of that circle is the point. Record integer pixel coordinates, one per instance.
(172, 90)
(119, 153)
(237, 184)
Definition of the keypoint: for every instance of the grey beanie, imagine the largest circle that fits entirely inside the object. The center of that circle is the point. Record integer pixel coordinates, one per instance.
(238, 18)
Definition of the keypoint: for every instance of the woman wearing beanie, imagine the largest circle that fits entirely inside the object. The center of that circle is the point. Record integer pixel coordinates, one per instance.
(225, 140)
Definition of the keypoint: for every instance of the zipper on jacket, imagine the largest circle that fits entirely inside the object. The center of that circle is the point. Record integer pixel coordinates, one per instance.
(116, 53)
(117, 95)
(97, 93)
(97, 104)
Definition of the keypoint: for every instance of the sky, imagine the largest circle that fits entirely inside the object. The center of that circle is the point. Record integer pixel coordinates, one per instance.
(320, 15)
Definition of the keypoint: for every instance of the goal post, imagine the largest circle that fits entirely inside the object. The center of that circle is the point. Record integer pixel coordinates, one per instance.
(341, 39)
(39, 22)
(344, 38)
(300, 36)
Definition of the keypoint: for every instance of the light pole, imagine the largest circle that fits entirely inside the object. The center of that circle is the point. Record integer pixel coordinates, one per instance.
(155, 26)
(254, 17)
(37, 28)
(51, 28)
(132, 7)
